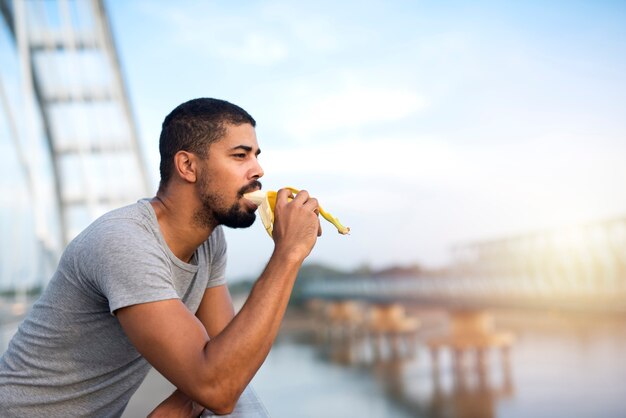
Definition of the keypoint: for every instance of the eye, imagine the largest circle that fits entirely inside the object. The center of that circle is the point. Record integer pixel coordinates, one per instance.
(240, 155)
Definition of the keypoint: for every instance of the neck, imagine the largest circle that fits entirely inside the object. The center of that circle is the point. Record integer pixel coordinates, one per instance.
(181, 232)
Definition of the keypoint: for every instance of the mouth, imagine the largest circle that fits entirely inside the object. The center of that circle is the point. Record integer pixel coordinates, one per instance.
(253, 186)
(250, 196)
(257, 197)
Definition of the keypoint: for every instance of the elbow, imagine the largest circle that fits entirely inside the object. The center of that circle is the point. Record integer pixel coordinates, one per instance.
(220, 401)
(222, 405)
(224, 409)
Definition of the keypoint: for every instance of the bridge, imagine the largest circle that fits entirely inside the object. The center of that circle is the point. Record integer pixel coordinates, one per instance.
(70, 126)
(580, 268)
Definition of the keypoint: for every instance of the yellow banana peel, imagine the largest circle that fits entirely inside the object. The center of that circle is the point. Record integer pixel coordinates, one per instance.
(266, 202)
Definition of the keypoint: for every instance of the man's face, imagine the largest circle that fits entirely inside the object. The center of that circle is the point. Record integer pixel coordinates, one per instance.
(230, 170)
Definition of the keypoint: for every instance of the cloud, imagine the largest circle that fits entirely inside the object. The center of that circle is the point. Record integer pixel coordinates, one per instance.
(411, 161)
(256, 47)
(352, 106)
(207, 32)
(265, 33)
(316, 27)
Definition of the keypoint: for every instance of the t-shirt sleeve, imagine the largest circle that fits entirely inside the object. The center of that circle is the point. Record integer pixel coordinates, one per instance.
(127, 266)
(217, 251)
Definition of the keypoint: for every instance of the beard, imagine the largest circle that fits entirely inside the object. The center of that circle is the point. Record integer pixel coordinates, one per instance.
(214, 211)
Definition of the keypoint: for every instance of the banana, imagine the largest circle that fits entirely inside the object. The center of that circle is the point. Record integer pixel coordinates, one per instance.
(266, 201)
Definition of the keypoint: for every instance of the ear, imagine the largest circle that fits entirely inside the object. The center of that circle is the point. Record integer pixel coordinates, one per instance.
(186, 166)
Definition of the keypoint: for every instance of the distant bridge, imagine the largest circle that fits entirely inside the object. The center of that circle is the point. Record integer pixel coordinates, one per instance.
(581, 268)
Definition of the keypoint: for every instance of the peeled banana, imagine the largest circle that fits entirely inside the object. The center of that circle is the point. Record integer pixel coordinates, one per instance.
(266, 201)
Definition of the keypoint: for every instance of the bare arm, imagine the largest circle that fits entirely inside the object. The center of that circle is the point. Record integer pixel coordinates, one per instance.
(214, 372)
(215, 312)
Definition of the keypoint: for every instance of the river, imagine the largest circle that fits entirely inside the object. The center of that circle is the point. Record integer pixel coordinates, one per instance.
(560, 366)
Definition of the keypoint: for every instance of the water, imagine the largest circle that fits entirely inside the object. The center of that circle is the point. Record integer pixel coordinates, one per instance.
(295, 382)
(559, 367)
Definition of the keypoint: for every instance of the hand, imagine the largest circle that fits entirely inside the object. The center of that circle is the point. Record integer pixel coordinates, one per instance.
(296, 223)
(177, 405)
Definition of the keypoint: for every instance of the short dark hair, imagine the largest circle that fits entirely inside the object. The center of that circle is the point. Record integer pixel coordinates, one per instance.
(193, 126)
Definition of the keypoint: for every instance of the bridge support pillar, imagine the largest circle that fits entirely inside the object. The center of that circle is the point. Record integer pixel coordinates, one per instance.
(390, 325)
(470, 331)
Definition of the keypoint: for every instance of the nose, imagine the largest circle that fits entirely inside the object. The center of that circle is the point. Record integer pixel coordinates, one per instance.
(257, 170)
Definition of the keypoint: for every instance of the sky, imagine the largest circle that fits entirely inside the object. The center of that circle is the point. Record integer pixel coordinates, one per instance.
(419, 124)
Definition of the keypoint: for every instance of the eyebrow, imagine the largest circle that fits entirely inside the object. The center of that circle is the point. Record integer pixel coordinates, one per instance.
(246, 148)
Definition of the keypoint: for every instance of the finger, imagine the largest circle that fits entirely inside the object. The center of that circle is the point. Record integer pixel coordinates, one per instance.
(282, 196)
(319, 228)
(313, 205)
(302, 197)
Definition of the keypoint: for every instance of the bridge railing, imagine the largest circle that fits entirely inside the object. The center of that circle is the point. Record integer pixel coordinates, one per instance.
(467, 292)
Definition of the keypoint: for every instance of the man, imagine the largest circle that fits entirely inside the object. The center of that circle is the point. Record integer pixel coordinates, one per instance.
(144, 285)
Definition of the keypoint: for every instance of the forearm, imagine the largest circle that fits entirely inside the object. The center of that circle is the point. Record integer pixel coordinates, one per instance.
(254, 328)
(235, 355)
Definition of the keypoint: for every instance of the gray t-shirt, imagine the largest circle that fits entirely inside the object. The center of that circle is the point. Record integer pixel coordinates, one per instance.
(70, 356)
